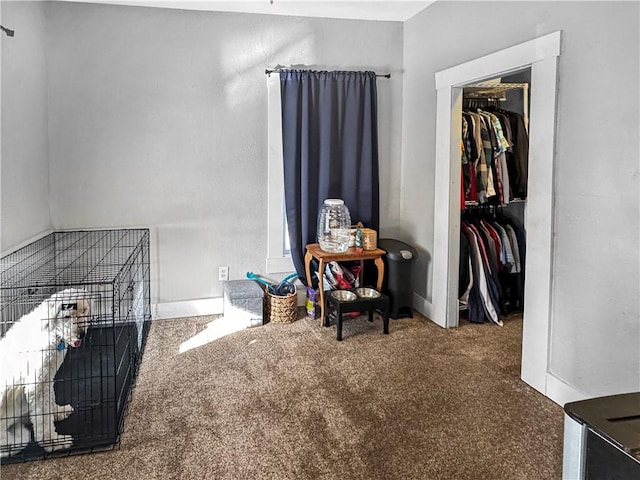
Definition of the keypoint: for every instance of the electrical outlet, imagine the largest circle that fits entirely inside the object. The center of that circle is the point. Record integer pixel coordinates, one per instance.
(223, 273)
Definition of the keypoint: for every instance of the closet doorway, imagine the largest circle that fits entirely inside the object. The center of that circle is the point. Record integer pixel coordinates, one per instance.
(540, 55)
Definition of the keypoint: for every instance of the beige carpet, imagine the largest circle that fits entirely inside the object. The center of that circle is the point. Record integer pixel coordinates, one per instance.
(290, 402)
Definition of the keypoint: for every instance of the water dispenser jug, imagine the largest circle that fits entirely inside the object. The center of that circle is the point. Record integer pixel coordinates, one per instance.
(334, 223)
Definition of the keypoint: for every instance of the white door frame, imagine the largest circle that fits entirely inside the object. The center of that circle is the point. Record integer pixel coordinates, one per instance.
(541, 56)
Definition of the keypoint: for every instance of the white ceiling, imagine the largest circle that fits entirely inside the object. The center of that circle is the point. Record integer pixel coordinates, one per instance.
(358, 9)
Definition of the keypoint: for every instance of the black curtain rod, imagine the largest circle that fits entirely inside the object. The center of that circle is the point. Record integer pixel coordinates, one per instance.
(269, 72)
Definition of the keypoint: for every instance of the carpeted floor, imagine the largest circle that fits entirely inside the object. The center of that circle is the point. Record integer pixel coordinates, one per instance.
(290, 402)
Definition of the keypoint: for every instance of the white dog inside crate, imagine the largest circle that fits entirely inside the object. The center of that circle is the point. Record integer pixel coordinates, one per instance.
(31, 353)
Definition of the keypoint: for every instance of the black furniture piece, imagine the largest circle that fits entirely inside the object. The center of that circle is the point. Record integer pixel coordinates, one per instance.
(602, 438)
(398, 279)
(340, 302)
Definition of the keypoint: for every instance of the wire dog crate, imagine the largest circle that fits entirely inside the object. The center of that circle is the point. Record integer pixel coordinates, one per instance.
(74, 315)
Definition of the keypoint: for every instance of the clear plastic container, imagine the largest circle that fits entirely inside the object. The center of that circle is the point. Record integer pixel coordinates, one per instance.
(334, 224)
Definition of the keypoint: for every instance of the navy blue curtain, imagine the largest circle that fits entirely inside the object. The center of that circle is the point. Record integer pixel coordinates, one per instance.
(330, 142)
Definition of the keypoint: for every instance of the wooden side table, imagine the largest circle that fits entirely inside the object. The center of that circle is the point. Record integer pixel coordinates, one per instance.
(314, 251)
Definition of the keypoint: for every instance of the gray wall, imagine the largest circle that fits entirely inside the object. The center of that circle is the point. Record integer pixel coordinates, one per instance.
(595, 324)
(24, 156)
(157, 118)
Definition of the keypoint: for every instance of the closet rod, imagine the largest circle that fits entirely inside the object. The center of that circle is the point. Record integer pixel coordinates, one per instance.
(269, 72)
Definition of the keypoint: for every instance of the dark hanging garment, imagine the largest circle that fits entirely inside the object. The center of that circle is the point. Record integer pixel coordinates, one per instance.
(508, 281)
(520, 156)
(463, 277)
(492, 283)
(475, 301)
(494, 264)
(470, 140)
(520, 235)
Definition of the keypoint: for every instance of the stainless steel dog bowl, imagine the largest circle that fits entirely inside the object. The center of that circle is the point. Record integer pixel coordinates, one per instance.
(367, 292)
(344, 295)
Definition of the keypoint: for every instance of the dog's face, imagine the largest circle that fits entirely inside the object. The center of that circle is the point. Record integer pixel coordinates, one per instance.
(80, 321)
(73, 320)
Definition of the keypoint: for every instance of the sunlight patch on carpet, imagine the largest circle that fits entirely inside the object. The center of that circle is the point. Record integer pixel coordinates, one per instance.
(218, 328)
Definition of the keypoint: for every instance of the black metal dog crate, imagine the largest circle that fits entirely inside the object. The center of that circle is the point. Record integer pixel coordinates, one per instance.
(110, 267)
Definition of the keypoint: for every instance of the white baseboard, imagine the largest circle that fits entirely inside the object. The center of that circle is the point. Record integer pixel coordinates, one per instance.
(422, 305)
(561, 392)
(207, 306)
(188, 308)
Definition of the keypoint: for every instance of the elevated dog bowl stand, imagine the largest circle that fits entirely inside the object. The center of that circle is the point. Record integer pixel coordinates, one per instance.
(338, 307)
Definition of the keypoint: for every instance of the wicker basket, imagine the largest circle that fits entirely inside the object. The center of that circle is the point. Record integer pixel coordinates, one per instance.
(280, 309)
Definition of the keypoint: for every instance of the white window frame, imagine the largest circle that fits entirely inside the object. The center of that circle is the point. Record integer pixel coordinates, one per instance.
(278, 261)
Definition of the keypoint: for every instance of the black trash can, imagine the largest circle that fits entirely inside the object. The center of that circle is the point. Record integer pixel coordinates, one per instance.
(398, 284)
(602, 438)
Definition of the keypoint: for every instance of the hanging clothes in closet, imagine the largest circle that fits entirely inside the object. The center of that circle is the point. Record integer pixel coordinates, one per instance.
(492, 259)
(494, 155)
